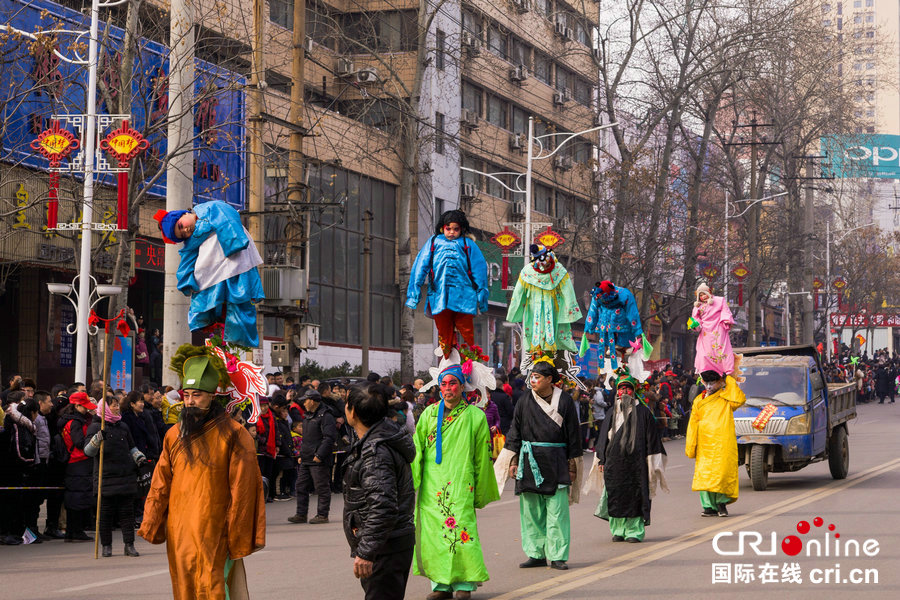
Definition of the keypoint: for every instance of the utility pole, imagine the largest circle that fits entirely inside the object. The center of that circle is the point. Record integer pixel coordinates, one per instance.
(256, 160)
(366, 300)
(179, 171)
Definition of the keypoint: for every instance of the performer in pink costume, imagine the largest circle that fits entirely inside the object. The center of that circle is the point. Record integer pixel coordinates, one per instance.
(713, 317)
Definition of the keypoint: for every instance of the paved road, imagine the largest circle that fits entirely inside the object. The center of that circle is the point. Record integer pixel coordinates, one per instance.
(675, 561)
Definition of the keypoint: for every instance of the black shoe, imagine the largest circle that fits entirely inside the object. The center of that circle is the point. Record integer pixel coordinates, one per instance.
(559, 565)
(78, 536)
(107, 551)
(709, 512)
(633, 540)
(298, 518)
(12, 540)
(618, 538)
(54, 533)
(723, 512)
(130, 551)
(316, 520)
(533, 562)
(269, 500)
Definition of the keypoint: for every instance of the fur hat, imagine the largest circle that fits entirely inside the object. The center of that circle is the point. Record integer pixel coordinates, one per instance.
(702, 288)
(606, 287)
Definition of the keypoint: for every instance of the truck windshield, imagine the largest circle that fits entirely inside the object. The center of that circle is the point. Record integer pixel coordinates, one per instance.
(787, 385)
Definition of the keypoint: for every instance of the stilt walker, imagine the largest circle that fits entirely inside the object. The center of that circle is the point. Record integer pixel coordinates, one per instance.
(614, 316)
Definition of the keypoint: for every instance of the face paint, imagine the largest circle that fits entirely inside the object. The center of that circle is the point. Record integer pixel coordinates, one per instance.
(535, 379)
(450, 387)
(452, 231)
(624, 391)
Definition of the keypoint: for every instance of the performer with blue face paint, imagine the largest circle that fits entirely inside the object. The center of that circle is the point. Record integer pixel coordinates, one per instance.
(453, 475)
(218, 268)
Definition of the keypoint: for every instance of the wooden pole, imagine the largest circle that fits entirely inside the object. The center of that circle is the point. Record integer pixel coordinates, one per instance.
(102, 428)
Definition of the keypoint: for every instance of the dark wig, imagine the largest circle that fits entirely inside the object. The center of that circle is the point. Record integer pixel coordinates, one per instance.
(453, 216)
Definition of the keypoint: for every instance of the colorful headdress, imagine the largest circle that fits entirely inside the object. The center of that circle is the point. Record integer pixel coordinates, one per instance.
(456, 371)
(606, 287)
(167, 221)
(544, 366)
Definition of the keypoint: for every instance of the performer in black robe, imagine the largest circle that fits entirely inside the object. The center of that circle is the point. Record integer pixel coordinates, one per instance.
(543, 453)
(632, 460)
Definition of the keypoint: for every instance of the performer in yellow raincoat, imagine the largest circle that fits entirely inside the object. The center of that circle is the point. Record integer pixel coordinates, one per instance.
(712, 442)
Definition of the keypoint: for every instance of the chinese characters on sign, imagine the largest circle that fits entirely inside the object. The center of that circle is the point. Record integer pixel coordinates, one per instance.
(863, 320)
(149, 256)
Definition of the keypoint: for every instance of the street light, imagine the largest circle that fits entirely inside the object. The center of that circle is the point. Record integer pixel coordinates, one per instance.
(81, 327)
(727, 216)
(828, 277)
(787, 311)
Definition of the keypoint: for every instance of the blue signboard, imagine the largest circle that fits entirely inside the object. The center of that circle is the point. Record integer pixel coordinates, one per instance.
(863, 156)
(590, 362)
(121, 366)
(37, 84)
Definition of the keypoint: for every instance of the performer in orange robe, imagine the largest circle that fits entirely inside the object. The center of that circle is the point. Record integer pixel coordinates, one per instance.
(206, 500)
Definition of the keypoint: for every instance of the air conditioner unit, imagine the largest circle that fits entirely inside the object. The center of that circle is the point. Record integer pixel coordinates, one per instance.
(560, 28)
(308, 338)
(367, 75)
(517, 209)
(344, 67)
(468, 118)
(561, 97)
(283, 285)
(563, 163)
(570, 34)
(471, 43)
(468, 191)
(308, 45)
(522, 6)
(516, 142)
(520, 73)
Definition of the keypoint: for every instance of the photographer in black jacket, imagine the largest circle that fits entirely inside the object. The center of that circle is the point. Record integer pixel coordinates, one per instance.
(379, 496)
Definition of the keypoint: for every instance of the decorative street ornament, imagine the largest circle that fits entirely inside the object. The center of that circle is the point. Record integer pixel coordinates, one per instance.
(839, 284)
(124, 144)
(506, 239)
(817, 284)
(549, 238)
(740, 273)
(711, 272)
(55, 144)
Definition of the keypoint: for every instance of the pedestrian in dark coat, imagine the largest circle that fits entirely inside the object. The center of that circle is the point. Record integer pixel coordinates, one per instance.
(120, 460)
(505, 407)
(379, 497)
(78, 499)
(314, 472)
(882, 383)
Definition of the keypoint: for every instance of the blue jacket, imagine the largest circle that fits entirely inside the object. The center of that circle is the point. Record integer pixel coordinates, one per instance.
(454, 287)
(615, 317)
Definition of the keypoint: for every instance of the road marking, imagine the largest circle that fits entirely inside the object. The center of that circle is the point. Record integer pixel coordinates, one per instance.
(614, 566)
(106, 582)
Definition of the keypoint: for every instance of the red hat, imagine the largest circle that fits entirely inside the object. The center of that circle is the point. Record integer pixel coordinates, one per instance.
(607, 287)
(670, 374)
(82, 399)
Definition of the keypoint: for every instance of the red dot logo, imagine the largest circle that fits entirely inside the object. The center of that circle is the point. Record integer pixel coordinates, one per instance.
(791, 545)
(818, 521)
(802, 527)
(831, 527)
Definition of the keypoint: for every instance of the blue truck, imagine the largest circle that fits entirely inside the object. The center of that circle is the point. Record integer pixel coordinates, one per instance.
(809, 422)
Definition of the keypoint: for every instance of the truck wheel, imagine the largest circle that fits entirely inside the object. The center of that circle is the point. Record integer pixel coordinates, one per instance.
(759, 476)
(839, 453)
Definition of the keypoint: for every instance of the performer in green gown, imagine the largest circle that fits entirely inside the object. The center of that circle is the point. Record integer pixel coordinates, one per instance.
(453, 474)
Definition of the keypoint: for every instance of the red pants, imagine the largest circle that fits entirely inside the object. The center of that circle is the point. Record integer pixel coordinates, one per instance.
(446, 321)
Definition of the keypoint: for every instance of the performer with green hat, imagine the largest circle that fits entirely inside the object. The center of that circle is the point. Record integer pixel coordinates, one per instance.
(206, 500)
(632, 461)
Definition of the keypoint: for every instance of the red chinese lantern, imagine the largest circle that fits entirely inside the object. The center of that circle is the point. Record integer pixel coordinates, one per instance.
(740, 273)
(124, 144)
(506, 239)
(55, 144)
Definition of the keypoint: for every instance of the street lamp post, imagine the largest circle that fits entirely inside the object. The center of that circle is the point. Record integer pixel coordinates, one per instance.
(83, 304)
(828, 278)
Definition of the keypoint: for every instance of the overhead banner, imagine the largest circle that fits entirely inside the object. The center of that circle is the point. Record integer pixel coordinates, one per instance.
(862, 156)
(864, 320)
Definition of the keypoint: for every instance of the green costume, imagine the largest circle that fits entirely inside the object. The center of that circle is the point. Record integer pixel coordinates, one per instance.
(448, 546)
(545, 304)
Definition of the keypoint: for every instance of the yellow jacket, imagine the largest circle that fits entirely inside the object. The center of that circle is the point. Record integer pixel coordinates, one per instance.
(712, 441)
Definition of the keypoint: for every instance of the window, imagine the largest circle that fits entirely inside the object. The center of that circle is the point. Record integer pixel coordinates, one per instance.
(870, 3)
(542, 69)
(496, 111)
(320, 25)
(520, 53)
(471, 98)
(543, 198)
(857, 19)
(826, 8)
(870, 112)
(870, 18)
(440, 48)
(519, 122)
(494, 187)
(439, 205)
(545, 7)
(471, 22)
(870, 34)
(497, 41)
(870, 65)
(469, 176)
(857, 66)
(857, 3)
(383, 31)
(565, 79)
(281, 12)
(438, 133)
(541, 127)
(870, 129)
(826, 22)
(582, 91)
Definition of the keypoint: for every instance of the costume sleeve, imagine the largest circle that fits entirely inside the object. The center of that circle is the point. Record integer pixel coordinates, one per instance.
(634, 317)
(156, 507)
(690, 441)
(573, 430)
(569, 311)
(479, 275)
(227, 223)
(593, 316)
(733, 394)
(726, 318)
(517, 303)
(420, 440)
(417, 275)
(603, 438)
(187, 283)
(379, 484)
(245, 522)
(485, 482)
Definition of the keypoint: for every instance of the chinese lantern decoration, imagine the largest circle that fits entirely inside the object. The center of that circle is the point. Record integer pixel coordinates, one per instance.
(710, 272)
(740, 273)
(818, 284)
(124, 144)
(505, 239)
(55, 144)
(549, 239)
(840, 284)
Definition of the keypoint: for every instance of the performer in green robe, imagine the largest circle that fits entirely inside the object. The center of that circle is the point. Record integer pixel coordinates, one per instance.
(453, 474)
(544, 302)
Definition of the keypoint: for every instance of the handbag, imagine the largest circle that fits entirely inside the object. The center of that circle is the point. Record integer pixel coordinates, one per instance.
(498, 443)
(144, 478)
(603, 508)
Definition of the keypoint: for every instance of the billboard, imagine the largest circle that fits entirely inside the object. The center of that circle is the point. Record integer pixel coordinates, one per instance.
(863, 156)
(38, 84)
